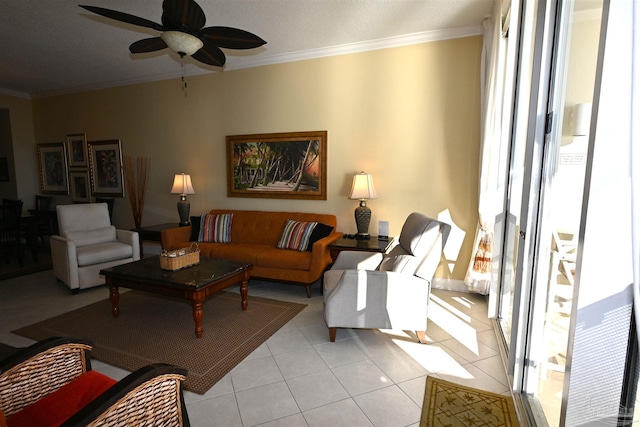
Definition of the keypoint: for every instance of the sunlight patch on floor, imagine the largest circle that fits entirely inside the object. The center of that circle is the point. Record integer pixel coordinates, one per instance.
(456, 323)
(465, 302)
(434, 358)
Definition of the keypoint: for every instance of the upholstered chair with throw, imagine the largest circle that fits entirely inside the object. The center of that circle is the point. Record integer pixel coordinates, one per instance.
(51, 383)
(386, 291)
(88, 243)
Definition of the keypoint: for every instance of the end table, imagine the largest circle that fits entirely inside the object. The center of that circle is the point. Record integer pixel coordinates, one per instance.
(347, 244)
(152, 233)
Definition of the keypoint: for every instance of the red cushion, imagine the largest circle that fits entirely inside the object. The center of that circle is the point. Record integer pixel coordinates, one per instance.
(59, 406)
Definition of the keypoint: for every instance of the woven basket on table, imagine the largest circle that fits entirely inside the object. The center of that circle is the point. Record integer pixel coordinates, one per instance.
(180, 258)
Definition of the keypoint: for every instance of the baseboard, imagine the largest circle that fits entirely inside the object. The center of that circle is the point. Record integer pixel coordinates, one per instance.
(449, 284)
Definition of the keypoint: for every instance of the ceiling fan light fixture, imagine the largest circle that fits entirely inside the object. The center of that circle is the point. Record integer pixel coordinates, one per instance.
(181, 43)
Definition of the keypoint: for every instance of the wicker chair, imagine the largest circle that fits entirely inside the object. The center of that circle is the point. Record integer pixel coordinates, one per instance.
(36, 380)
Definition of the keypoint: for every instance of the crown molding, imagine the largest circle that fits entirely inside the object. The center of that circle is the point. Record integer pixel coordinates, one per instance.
(15, 93)
(262, 60)
(350, 48)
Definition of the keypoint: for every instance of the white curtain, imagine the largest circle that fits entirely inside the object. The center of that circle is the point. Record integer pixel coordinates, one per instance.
(478, 277)
(635, 160)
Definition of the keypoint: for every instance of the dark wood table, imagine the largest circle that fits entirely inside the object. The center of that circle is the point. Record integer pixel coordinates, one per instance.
(193, 284)
(153, 233)
(366, 245)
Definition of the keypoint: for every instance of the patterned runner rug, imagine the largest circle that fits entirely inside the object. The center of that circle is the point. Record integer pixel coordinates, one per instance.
(154, 329)
(449, 404)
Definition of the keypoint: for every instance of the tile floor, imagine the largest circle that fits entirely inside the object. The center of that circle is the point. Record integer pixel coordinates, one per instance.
(299, 378)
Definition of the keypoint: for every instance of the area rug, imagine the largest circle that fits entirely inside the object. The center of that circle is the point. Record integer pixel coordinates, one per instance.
(153, 329)
(449, 404)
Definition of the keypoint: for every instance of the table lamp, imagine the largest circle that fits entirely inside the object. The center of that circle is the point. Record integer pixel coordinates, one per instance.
(182, 186)
(362, 189)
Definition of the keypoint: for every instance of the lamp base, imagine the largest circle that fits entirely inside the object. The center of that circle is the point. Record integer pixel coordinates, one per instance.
(363, 218)
(183, 211)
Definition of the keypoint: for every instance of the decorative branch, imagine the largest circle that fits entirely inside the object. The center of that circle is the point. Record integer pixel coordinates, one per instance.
(136, 170)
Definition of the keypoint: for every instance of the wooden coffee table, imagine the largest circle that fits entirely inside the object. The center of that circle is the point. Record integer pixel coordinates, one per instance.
(194, 283)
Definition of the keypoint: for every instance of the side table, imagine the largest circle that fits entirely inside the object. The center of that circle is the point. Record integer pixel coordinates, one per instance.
(346, 244)
(153, 233)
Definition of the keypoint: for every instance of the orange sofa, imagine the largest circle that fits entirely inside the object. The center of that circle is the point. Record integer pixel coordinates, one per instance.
(254, 236)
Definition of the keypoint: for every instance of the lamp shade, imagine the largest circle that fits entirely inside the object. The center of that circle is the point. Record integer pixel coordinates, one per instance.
(182, 184)
(362, 187)
(181, 43)
(582, 119)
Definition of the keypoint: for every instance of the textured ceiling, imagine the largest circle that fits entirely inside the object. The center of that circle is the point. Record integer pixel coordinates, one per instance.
(51, 47)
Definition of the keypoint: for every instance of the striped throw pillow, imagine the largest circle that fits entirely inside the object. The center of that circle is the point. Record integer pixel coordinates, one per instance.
(215, 228)
(296, 235)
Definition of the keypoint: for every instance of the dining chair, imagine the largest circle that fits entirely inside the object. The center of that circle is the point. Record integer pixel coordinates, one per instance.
(43, 214)
(10, 245)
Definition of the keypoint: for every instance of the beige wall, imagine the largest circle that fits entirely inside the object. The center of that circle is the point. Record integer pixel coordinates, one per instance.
(408, 115)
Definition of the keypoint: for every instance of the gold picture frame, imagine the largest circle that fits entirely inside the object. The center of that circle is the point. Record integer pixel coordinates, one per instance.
(105, 168)
(79, 186)
(52, 163)
(278, 165)
(77, 150)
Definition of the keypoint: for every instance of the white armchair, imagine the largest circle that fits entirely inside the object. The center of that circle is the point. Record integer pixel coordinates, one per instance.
(88, 243)
(390, 291)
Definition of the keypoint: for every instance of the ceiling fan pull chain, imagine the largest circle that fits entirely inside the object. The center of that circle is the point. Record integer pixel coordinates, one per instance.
(184, 80)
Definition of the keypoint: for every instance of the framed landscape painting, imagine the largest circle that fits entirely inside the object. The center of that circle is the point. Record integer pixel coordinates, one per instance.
(79, 186)
(105, 168)
(77, 150)
(278, 165)
(52, 162)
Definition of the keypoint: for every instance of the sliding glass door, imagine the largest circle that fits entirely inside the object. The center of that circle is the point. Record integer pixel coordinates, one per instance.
(509, 224)
(565, 271)
(559, 212)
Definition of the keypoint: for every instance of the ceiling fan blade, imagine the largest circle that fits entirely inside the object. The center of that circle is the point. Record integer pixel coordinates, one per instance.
(123, 17)
(210, 54)
(182, 15)
(232, 38)
(147, 45)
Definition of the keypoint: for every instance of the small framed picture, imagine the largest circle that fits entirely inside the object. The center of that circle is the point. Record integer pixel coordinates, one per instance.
(52, 161)
(79, 186)
(77, 150)
(105, 168)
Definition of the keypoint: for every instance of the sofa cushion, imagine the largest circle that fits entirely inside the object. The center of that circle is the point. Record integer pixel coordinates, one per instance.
(265, 227)
(59, 406)
(296, 235)
(320, 231)
(284, 259)
(239, 252)
(215, 228)
(92, 237)
(103, 252)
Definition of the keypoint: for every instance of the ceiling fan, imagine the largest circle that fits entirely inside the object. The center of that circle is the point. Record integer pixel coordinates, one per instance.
(183, 32)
